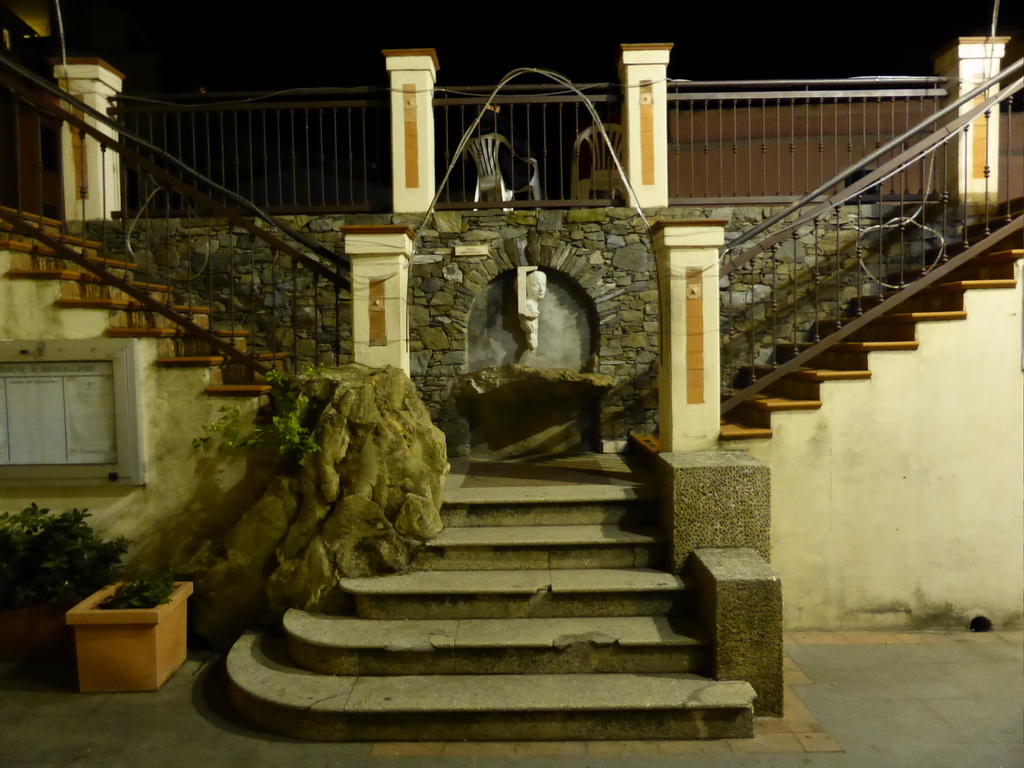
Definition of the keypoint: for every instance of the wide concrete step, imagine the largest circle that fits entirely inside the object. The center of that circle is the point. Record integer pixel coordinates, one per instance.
(540, 593)
(548, 505)
(343, 645)
(275, 695)
(541, 546)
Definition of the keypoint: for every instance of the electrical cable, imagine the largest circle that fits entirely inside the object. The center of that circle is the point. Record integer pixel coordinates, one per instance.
(60, 34)
(569, 85)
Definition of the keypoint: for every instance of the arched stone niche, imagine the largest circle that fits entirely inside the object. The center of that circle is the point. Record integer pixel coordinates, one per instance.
(603, 254)
(521, 402)
(568, 336)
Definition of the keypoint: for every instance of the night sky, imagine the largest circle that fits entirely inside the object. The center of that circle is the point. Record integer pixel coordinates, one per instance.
(229, 45)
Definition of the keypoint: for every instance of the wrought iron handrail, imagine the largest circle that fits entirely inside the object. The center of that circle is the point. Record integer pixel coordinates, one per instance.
(921, 275)
(309, 150)
(130, 100)
(261, 295)
(770, 141)
(885, 306)
(231, 352)
(544, 124)
(857, 187)
(119, 145)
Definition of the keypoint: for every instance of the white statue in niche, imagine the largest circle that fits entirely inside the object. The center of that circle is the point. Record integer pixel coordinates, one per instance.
(531, 285)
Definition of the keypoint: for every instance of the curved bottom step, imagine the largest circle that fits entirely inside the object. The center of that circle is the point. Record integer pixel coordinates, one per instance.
(277, 696)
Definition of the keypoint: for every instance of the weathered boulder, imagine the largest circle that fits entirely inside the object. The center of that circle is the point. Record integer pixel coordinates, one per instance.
(357, 507)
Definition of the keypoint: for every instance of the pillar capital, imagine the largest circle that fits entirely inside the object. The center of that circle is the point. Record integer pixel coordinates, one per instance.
(88, 75)
(645, 53)
(967, 48)
(380, 240)
(689, 233)
(411, 60)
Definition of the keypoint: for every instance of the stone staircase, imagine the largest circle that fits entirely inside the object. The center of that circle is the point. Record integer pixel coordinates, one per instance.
(62, 284)
(539, 613)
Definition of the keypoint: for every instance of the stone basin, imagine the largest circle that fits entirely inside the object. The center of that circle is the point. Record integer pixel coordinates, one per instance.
(515, 411)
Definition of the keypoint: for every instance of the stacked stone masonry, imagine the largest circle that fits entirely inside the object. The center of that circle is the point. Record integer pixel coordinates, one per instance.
(606, 252)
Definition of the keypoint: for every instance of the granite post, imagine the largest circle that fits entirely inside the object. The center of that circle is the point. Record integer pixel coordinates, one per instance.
(714, 499)
(740, 599)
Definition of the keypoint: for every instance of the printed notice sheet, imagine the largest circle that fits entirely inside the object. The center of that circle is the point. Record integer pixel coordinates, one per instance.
(57, 413)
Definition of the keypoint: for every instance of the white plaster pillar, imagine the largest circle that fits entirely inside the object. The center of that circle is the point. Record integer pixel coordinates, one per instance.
(92, 178)
(643, 69)
(688, 376)
(380, 278)
(413, 73)
(973, 163)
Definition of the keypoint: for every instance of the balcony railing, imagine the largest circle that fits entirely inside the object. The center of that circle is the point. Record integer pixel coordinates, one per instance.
(773, 140)
(551, 144)
(300, 151)
(729, 142)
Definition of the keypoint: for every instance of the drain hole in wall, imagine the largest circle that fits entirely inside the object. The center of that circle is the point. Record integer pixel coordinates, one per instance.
(980, 624)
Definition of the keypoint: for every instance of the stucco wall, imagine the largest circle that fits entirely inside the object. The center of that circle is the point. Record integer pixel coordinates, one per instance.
(188, 493)
(899, 503)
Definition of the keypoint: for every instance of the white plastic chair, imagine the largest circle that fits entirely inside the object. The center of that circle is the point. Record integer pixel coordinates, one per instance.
(490, 184)
(604, 176)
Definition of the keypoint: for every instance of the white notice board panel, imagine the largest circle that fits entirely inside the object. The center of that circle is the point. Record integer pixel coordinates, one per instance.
(58, 413)
(90, 425)
(70, 412)
(35, 420)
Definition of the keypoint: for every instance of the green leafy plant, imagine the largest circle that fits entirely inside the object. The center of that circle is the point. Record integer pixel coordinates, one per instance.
(147, 591)
(286, 432)
(46, 557)
(228, 426)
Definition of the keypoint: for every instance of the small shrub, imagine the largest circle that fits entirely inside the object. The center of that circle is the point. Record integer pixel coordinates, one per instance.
(286, 432)
(147, 591)
(46, 557)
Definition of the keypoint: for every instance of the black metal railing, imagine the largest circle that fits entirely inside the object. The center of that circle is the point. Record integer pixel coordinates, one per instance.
(815, 273)
(298, 151)
(552, 155)
(231, 279)
(776, 140)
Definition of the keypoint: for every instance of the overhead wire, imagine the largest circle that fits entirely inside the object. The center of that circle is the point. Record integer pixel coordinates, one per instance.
(460, 148)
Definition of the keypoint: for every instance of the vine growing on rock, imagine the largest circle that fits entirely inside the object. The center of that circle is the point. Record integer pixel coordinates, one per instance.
(285, 431)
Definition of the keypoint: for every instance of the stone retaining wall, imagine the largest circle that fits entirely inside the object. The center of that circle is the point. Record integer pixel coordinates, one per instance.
(605, 251)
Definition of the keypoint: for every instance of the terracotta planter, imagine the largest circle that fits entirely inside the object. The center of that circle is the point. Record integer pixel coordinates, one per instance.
(131, 649)
(36, 633)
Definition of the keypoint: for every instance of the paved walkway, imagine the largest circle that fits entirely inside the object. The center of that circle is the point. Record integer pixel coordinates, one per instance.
(870, 700)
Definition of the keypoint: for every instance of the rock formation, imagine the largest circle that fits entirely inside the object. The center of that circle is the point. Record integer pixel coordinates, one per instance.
(357, 507)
